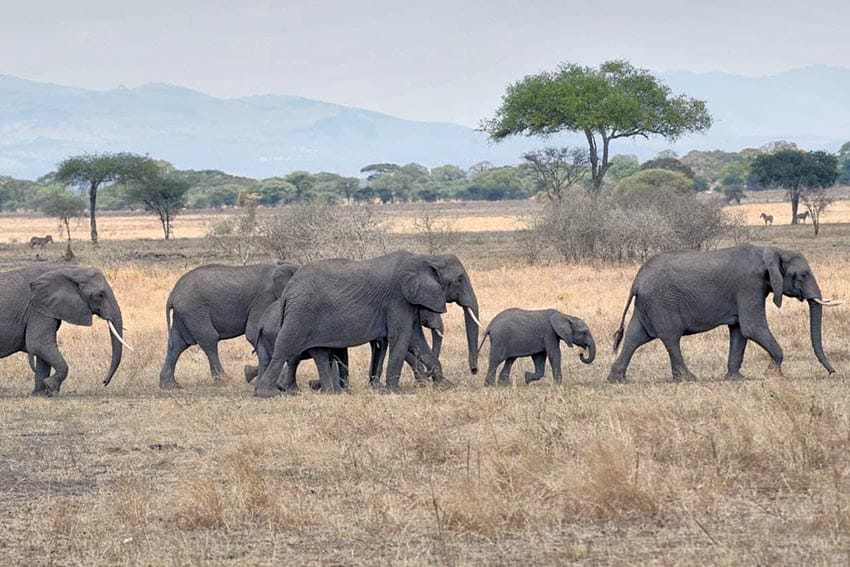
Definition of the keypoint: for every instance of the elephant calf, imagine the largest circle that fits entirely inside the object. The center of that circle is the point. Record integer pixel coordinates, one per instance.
(519, 332)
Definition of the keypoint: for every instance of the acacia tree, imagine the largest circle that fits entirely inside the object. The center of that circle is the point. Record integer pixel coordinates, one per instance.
(163, 196)
(796, 171)
(93, 171)
(817, 201)
(556, 169)
(614, 101)
(64, 205)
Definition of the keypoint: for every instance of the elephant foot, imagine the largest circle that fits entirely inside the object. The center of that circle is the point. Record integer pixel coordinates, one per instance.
(735, 376)
(42, 392)
(773, 370)
(251, 372)
(315, 385)
(617, 378)
(268, 392)
(169, 385)
(444, 384)
(532, 377)
(51, 386)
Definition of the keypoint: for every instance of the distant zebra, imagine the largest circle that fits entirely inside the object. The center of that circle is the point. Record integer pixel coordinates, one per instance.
(768, 219)
(40, 241)
(802, 217)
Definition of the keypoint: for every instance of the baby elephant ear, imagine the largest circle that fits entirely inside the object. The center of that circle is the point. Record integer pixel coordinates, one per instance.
(563, 327)
(57, 295)
(281, 276)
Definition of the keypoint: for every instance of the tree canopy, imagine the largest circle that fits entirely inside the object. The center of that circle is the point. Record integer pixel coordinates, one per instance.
(165, 196)
(614, 101)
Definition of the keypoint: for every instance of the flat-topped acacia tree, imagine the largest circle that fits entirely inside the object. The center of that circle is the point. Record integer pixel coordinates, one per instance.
(614, 101)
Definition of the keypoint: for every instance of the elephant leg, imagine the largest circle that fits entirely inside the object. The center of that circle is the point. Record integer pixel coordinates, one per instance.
(399, 342)
(494, 361)
(553, 352)
(272, 380)
(677, 361)
(48, 356)
(737, 346)
(376, 363)
(505, 374)
(42, 371)
(539, 360)
(340, 357)
(424, 362)
(636, 336)
(761, 335)
(176, 346)
(329, 382)
(210, 348)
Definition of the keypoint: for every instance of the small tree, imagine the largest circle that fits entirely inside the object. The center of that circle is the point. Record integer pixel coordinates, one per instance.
(163, 196)
(557, 169)
(93, 171)
(816, 200)
(614, 101)
(796, 171)
(64, 205)
(436, 232)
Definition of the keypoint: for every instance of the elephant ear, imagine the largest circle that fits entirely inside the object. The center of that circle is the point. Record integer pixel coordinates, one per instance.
(281, 276)
(562, 326)
(772, 262)
(57, 295)
(420, 285)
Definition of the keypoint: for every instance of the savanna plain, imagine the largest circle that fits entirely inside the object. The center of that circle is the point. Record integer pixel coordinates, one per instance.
(755, 471)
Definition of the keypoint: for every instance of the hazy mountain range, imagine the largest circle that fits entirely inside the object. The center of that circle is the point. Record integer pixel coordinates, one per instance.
(263, 136)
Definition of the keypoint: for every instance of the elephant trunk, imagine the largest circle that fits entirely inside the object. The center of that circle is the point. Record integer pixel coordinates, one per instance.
(591, 352)
(470, 318)
(816, 325)
(116, 329)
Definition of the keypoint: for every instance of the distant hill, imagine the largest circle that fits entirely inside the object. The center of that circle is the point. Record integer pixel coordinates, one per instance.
(263, 136)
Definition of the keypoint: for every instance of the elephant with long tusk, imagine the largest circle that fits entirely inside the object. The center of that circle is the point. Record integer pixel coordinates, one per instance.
(33, 303)
(683, 293)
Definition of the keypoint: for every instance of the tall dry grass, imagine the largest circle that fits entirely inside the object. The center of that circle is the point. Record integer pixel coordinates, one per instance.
(754, 471)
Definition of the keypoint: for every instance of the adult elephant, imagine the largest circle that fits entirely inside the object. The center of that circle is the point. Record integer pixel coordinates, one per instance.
(215, 302)
(33, 303)
(339, 305)
(682, 293)
(270, 324)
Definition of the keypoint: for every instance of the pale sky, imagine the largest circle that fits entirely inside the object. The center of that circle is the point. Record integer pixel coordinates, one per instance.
(435, 60)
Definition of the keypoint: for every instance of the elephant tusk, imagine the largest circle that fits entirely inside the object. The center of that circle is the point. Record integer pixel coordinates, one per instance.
(474, 318)
(828, 302)
(117, 336)
(438, 332)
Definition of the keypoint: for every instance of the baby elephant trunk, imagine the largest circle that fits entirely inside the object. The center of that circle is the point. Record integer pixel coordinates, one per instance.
(590, 349)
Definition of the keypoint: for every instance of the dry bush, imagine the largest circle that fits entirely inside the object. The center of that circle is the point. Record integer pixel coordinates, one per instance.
(436, 233)
(315, 231)
(587, 227)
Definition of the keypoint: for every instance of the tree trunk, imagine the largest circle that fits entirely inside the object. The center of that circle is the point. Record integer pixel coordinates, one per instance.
(92, 217)
(795, 204)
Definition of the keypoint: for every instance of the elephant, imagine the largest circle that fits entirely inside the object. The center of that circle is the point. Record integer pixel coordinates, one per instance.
(270, 324)
(40, 241)
(33, 303)
(768, 219)
(683, 293)
(515, 333)
(332, 304)
(216, 302)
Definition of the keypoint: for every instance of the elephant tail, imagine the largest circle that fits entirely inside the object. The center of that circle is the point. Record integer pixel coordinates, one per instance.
(618, 336)
(31, 360)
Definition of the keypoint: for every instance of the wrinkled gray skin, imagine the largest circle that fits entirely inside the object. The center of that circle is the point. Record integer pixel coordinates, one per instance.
(515, 333)
(270, 324)
(339, 305)
(683, 293)
(33, 303)
(214, 302)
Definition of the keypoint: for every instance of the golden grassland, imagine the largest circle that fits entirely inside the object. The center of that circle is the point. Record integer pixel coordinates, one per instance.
(711, 472)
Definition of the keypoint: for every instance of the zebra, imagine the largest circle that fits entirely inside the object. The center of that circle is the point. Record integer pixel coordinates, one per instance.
(768, 219)
(802, 217)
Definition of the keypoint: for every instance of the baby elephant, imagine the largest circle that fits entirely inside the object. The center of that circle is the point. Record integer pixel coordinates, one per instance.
(518, 332)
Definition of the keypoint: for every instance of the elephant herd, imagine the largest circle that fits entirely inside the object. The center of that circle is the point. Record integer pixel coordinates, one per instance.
(290, 313)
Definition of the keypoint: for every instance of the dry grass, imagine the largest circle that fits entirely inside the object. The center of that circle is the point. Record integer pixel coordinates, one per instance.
(712, 472)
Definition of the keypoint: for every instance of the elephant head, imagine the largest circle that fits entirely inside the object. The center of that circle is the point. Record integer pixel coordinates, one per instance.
(432, 281)
(788, 273)
(574, 331)
(74, 295)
